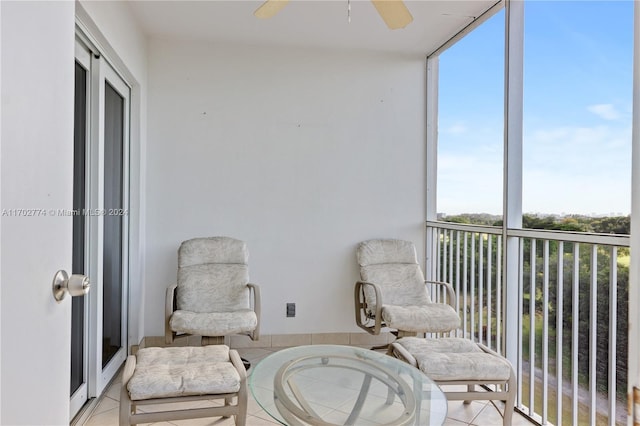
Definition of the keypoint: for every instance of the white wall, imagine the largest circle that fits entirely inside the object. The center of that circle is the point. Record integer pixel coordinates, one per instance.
(121, 32)
(300, 153)
(120, 38)
(37, 173)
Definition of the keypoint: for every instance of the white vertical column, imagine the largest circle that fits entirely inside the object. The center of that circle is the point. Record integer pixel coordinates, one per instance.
(559, 335)
(473, 287)
(489, 288)
(575, 332)
(634, 267)
(0, 204)
(465, 268)
(499, 339)
(457, 280)
(431, 176)
(593, 334)
(613, 332)
(532, 326)
(545, 333)
(512, 177)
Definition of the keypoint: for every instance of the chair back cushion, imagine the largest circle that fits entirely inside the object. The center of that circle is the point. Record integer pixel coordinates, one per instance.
(393, 266)
(212, 275)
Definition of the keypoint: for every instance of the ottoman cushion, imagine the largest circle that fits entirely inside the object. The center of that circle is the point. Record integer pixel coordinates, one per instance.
(455, 359)
(183, 371)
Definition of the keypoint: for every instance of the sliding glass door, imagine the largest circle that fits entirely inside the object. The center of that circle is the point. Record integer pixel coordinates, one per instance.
(79, 311)
(100, 226)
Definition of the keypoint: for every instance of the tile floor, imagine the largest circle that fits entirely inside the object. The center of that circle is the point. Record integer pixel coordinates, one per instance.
(478, 413)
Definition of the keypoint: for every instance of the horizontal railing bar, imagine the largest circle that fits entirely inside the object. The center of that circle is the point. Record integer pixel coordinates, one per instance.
(572, 237)
(483, 229)
(620, 240)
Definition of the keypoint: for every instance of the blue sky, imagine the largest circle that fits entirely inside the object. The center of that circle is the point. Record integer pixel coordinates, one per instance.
(577, 112)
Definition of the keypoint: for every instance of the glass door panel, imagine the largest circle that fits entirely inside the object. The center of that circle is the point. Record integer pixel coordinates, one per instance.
(79, 389)
(113, 223)
(78, 256)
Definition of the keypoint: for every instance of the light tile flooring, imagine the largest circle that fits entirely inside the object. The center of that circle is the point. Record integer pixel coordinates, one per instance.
(478, 413)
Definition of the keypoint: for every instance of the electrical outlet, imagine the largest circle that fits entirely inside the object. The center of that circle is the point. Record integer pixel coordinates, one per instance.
(291, 310)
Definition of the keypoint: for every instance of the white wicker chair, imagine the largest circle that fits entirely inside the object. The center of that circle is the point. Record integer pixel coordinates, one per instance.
(213, 297)
(393, 293)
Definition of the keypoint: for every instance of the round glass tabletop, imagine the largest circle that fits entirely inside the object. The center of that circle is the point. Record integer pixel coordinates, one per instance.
(344, 385)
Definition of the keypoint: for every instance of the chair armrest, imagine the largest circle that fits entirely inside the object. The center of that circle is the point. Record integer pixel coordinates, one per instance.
(125, 398)
(361, 305)
(257, 308)
(492, 352)
(169, 307)
(236, 360)
(127, 373)
(451, 295)
(399, 351)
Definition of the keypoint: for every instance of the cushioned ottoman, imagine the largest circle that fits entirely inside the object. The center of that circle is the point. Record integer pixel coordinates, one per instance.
(456, 361)
(183, 374)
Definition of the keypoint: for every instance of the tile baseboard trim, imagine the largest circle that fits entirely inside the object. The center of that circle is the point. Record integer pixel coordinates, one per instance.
(276, 340)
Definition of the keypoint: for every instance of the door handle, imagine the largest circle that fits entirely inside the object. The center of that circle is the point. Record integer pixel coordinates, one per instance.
(75, 285)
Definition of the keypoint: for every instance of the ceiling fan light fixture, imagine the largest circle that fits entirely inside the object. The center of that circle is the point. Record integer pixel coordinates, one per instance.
(394, 13)
(270, 8)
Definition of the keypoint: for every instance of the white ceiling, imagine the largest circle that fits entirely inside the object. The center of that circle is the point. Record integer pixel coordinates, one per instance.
(312, 23)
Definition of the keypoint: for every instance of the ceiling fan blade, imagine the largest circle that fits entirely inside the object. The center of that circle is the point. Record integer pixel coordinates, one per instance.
(270, 8)
(394, 13)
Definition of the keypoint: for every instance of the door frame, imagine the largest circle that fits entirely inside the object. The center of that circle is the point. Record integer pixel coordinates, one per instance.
(81, 395)
(106, 73)
(102, 70)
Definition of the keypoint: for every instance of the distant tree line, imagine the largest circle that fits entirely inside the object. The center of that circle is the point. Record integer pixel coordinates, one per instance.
(576, 223)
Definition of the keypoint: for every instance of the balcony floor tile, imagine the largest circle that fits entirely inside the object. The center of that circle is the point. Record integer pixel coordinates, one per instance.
(478, 413)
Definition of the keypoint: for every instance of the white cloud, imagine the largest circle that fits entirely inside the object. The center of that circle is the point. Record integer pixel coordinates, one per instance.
(604, 111)
(455, 129)
(578, 150)
(575, 169)
(578, 170)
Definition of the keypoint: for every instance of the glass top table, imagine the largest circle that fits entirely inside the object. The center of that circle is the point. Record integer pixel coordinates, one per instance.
(344, 385)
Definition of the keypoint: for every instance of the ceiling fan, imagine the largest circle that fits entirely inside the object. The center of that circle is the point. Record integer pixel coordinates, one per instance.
(393, 12)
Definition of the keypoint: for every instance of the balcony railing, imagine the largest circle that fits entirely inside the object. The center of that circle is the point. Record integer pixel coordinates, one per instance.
(572, 331)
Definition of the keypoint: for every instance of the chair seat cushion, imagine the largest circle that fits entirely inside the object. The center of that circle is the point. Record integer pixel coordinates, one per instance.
(432, 317)
(214, 323)
(171, 372)
(455, 359)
